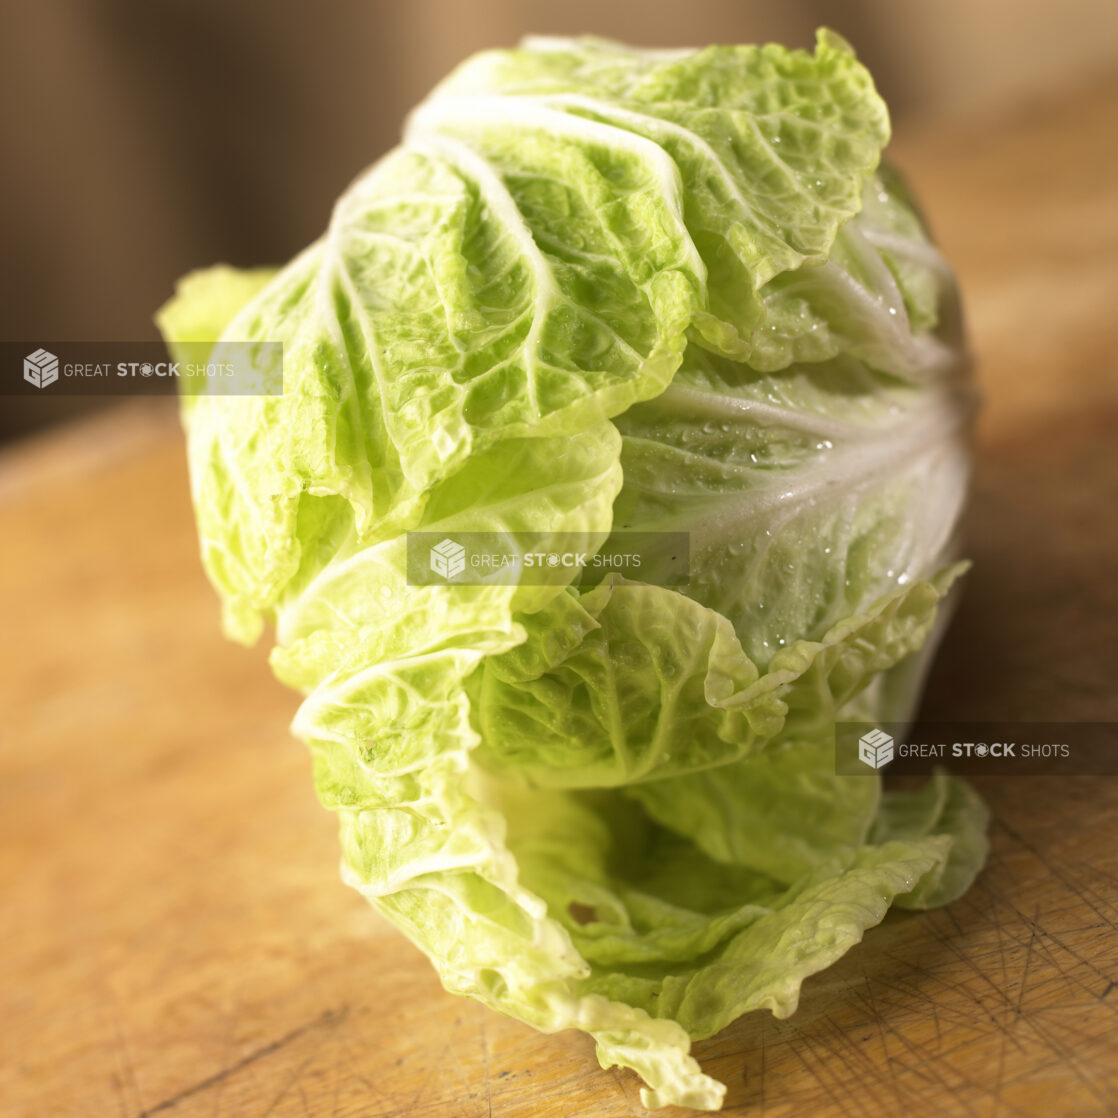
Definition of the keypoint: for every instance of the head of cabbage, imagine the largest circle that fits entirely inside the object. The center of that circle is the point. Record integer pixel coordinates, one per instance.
(597, 289)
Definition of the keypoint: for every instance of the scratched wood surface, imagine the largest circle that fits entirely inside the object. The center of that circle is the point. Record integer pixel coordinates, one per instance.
(174, 937)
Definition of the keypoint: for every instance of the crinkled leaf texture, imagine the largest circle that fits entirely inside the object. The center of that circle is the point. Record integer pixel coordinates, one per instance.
(597, 289)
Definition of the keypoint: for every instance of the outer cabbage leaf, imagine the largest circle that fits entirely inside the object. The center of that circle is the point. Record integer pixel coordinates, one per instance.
(941, 804)
(204, 305)
(634, 683)
(700, 942)
(771, 148)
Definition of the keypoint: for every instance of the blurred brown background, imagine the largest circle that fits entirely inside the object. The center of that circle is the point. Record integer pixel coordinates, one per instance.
(143, 138)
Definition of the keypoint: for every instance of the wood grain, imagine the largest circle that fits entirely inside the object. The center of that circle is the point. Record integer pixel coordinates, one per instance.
(176, 942)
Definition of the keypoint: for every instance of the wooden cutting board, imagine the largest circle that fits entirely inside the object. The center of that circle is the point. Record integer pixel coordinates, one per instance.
(175, 938)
